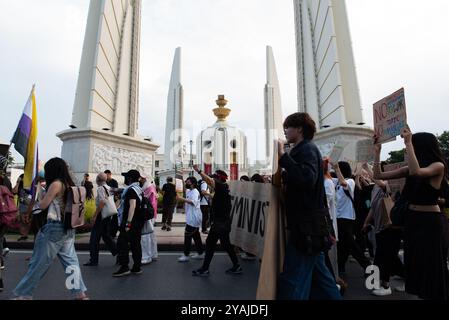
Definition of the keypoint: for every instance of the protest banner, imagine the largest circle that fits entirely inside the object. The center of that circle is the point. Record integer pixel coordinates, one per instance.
(365, 151)
(396, 184)
(390, 116)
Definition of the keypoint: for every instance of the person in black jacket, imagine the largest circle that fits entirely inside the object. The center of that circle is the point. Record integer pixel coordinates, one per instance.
(305, 275)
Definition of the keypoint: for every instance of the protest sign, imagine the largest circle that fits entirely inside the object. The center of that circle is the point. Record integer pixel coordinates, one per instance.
(179, 186)
(258, 227)
(337, 151)
(365, 151)
(390, 116)
(396, 184)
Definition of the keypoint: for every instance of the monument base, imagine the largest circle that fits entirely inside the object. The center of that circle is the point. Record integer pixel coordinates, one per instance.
(93, 151)
(327, 138)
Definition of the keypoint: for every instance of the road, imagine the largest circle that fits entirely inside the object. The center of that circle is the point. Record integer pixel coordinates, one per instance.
(165, 279)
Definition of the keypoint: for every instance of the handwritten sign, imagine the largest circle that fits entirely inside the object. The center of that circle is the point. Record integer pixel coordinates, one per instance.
(337, 151)
(396, 184)
(390, 116)
(179, 185)
(365, 151)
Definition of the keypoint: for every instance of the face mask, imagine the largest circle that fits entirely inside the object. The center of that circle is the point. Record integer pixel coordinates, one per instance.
(188, 185)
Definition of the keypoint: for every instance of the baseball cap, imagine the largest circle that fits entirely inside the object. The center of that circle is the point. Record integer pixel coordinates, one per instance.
(133, 174)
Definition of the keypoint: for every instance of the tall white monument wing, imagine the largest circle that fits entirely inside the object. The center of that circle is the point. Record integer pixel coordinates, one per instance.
(327, 80)
(107, 90)
(174, 121)
(273, 105)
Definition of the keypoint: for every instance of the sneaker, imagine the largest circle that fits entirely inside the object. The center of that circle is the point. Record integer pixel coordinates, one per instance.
(2, 266)
(123, 271)
(136, 271)
(183, 258)
(200, 273)
(168, 228)
(382, 292)
(5, 252)
(164, 227)
(90, 264)
(22, 238)
(197, 256)
(235, 270)
(145, 262)
(400, 288)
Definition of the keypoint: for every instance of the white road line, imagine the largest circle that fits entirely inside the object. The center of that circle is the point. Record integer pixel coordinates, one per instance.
(108, 254)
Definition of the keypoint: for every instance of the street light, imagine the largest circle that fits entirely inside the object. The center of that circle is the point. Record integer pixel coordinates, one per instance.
(191, 158)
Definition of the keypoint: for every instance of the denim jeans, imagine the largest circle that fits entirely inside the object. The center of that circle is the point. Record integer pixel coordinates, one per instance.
(51, 241)
(306, 278)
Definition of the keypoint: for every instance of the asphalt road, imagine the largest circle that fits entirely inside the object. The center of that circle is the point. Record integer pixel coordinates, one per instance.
(165, 279)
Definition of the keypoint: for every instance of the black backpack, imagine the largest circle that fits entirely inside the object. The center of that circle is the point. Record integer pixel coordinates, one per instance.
(198, 187)
(145, 211)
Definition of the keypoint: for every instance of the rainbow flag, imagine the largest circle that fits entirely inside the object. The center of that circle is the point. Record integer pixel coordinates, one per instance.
(25, 141)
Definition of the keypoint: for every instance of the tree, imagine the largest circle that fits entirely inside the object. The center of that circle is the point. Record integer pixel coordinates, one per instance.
(396, 156)
(443, 139)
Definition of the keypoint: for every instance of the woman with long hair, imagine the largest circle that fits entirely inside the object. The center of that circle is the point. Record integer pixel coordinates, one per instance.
(425, 252)
(53, 240)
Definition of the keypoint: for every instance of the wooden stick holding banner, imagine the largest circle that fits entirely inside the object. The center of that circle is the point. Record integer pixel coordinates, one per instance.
(390, 116)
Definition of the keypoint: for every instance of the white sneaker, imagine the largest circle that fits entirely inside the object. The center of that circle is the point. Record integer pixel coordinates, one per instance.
(400, 288)
(144, 262)
(382, 292)
(5, 252)
(183, 258)
(197, 256)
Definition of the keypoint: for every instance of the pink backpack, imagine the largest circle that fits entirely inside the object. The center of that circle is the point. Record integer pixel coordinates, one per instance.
(74, 211)
(8, 208)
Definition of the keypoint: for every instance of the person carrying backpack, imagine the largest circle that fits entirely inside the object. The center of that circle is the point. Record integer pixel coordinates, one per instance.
(54, 239)
(131, 222)
(205, 195)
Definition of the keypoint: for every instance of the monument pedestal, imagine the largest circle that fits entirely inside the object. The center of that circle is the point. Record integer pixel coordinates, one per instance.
(93, 151)
(327, 138)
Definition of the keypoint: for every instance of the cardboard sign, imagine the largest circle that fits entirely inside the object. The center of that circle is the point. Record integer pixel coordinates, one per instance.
(396, 184)
(390, 116)
(258, 227)
(365, 151)
(179, 185)
(337, 151)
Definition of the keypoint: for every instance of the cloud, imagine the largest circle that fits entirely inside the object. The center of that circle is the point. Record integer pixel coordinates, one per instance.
(396, 43)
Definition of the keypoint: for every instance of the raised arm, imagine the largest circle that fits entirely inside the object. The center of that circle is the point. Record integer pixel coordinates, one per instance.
(433, 170)
(205, 177)
(341, 179)
(390, 175)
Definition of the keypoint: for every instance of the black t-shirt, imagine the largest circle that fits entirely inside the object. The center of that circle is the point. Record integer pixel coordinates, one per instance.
(169, 194)
(221, 203)
(130, 195)
(112, 183)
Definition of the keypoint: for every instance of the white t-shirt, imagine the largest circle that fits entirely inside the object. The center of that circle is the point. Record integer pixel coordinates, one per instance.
(345, 209)
(204, 187)
(194, 216)
(330, 195)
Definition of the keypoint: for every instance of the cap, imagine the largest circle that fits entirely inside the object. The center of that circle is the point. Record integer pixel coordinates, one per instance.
(133, 174)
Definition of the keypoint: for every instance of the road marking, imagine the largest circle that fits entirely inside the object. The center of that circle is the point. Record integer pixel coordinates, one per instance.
(108, 254)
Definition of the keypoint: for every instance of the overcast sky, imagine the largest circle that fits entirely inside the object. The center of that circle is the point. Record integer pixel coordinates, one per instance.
(396, 43)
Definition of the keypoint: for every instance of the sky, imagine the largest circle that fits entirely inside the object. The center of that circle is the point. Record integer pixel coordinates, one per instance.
(399, 43)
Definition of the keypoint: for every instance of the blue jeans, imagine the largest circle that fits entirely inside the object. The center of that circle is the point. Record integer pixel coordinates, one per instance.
(306, 277)
(51, 241)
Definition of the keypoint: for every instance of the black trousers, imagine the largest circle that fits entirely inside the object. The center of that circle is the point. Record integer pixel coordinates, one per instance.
(130, 240)
(167, 214)
(219, 231)
(388, 244)
(101, 230)
(205, 211)
(192, 233)
(347, 245)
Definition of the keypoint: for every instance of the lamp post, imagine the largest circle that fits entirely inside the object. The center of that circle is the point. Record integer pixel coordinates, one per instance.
(191, 158)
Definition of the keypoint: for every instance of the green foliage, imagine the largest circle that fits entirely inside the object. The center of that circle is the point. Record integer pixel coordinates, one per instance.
(443, 139)
(396, 156)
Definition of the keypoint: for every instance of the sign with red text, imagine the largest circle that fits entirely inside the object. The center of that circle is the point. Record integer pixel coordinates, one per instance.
(390, 116)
